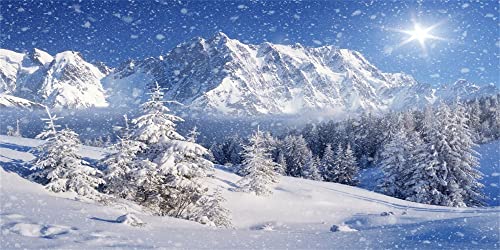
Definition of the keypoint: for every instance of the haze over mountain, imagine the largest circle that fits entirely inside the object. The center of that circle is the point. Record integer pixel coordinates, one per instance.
(221, 75)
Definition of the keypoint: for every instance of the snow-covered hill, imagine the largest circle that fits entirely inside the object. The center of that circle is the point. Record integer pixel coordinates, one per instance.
(298, 215)
(63, 81)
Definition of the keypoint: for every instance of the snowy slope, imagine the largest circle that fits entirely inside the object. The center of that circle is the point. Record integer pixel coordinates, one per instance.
(298, 215)
(63, 81)
(9, 101)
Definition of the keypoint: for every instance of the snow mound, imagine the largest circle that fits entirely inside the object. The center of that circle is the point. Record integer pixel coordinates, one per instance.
(131, 220)
(342, 228)
(35, 230)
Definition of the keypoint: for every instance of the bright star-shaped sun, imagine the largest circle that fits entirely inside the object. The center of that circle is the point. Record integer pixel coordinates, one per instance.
(420, 34)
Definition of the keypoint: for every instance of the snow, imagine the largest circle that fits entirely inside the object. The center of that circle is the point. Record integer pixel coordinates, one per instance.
(9, 101)
(298, 215)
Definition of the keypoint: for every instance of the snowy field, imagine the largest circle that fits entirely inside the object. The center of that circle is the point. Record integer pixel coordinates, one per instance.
(298, 215)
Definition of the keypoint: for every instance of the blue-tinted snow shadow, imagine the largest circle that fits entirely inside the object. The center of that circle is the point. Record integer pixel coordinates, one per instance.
(103, 220)
(16, 166)
(15, 147)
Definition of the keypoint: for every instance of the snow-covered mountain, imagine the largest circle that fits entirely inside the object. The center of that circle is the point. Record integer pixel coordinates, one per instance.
(225, 76)
(63, 81)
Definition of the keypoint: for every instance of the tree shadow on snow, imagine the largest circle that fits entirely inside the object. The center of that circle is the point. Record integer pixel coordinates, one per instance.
(15, 166)
(15, 147)
(103, 220)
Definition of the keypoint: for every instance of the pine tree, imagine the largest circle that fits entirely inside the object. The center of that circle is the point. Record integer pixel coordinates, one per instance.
(170, 168)
(118, 165)
(14, 132)
(328, 164)
(58, 166)
(395, 159)
(336, 165)
(258, 165)
(349, 167)
(297, 155)
(192, 136)
(212, 211)
(424, 179)
(280, 164)
(445, 167)
(311, 170)
(217, 153)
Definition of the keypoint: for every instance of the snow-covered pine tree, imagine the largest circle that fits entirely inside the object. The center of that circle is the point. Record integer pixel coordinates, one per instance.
(297, 155)
(311, 170)
(16, 132)
(119, 164)
(474, 120)
(170, 171)
(395, 159)
(280, 164)
(192, 136)
(445, 170)
(349, 168)
(213, 212)
(424, 176)
(328, 164)
(336, 166)
(58, 166)
(464, 187)
(259, 166)
(217, 153)
(232, 150)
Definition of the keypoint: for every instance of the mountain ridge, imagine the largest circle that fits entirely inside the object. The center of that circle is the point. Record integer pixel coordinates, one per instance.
(221, 75)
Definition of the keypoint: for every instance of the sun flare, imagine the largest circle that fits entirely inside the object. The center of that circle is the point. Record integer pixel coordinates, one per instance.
(420, 34)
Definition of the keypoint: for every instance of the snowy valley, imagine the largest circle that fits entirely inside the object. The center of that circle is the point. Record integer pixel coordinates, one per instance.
(298, 215)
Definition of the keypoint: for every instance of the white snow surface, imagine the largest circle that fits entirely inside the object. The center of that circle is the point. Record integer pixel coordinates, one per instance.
(63, 81)
(298, 215)
(9, 101)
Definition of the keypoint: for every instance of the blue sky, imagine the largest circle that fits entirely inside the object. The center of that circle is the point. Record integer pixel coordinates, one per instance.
(114, 31)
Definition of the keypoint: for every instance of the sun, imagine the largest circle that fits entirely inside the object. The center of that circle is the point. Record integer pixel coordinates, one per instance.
(420, 34)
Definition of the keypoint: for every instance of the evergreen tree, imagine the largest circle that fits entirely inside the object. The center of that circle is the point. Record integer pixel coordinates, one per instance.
(192, 136)
(311, 170)
(58, 166)
(348, 168)
(336, 164)
(445, 167)
(395, 159)
(217, 153)
(328, 164)
(258, 165)
(14, 132)
(280, 164)
(297, 155)
(118, 165)
(169, 169)
(212, 211)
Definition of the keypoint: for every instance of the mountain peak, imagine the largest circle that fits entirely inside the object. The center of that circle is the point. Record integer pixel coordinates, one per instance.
(40, 56)
(220, 37)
